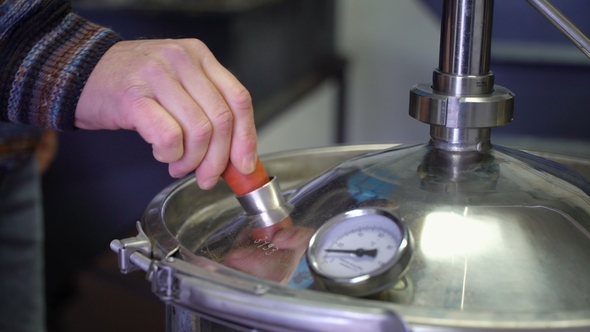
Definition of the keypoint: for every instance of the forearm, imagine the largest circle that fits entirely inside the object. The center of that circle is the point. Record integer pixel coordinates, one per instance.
(46, 56)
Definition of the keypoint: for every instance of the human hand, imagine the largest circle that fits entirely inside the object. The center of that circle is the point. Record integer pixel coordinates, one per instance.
(180, 99)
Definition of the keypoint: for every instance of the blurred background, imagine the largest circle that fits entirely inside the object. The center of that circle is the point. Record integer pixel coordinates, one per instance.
(321, 72)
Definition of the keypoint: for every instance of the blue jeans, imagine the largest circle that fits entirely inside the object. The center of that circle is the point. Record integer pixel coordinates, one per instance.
(21, 251)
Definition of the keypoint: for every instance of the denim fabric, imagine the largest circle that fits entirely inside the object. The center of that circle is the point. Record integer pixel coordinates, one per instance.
(21, 251)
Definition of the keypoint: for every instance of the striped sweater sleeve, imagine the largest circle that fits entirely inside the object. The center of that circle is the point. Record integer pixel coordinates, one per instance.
(46, 55)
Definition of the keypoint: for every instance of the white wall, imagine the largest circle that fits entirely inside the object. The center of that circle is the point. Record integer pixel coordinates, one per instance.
(309, 123)
(391, 45)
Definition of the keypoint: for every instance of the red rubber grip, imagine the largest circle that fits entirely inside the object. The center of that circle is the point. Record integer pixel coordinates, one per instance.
(242, 184)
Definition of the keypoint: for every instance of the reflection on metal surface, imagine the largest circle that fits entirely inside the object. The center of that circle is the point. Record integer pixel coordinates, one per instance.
(514, 249)
(274, 258)
(266, 205)
(460, 172)
(446, 235)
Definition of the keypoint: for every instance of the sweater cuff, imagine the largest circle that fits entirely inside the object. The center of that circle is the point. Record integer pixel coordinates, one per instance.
(55, 71)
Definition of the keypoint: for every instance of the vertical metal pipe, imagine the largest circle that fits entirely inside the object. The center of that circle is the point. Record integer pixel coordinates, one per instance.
(466, 31)
(463, 103)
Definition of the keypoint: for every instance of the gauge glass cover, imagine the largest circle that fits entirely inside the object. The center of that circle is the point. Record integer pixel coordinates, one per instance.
(358, 251)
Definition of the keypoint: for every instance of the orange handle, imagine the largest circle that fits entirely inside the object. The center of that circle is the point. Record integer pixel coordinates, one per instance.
(242, 184)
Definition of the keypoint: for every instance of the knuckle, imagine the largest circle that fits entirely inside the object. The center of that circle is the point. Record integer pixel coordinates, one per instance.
(175, 51)
(217, 166)
(241, 98)
(139, 85)
(196, 45)
(223, 122)
(152, 68)
(248, 138)
(136, 98)
(135, 90)
(177, 169)
(169, 137)
(181, 50)
(202, 132)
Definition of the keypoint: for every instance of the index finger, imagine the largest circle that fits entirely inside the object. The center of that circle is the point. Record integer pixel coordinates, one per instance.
(243, 153)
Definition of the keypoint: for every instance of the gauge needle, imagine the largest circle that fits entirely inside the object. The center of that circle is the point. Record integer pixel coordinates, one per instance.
(359, 252)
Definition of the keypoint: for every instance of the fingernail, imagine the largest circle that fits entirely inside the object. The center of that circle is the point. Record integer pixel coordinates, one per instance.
(249, 163)
(210, 183)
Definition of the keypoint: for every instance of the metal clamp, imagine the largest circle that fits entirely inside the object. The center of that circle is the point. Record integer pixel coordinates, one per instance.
(213, 290)
(134, 253)
(266, 205)
(481, 111)
(165, 283)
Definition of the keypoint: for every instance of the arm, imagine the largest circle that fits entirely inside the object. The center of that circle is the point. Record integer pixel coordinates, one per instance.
(67, 73)
(47, 54)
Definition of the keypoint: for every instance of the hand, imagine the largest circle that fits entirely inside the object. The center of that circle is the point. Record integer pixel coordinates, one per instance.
(180, 99)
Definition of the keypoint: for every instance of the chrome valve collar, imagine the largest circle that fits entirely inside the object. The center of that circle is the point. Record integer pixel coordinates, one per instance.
(266, 205)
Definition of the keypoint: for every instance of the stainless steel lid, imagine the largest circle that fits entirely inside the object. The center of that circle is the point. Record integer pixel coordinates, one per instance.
(494, 247)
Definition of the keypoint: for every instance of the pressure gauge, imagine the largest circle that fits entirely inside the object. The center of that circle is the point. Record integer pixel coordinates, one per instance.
(360, 252)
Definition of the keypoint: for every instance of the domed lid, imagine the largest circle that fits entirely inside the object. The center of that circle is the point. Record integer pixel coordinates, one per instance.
(500, 238)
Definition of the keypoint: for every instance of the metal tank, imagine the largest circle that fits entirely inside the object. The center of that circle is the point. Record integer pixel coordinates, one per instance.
(454, 234)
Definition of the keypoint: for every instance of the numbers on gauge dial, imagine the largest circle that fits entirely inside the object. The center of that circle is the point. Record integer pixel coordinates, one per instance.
(358, 247)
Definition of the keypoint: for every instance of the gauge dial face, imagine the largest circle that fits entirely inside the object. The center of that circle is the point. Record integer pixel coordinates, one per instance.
(357, 244)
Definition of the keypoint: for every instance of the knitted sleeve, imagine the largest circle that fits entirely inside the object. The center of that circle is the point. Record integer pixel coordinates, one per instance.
(46, 55)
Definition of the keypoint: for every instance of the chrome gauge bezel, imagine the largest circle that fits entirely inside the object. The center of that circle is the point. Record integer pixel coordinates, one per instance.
(363, 284)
